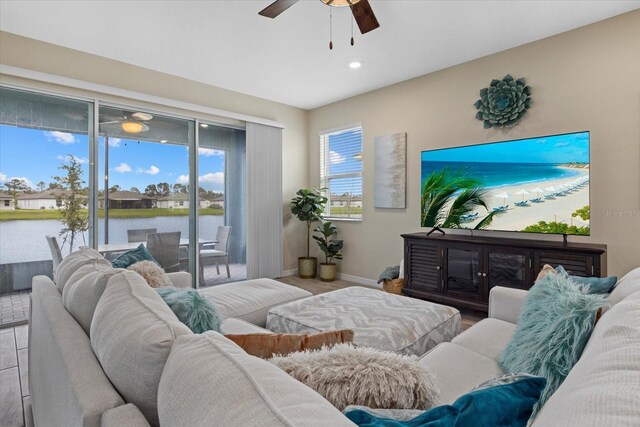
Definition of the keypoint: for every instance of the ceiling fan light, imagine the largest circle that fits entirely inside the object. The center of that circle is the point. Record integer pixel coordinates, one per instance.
(134, 127)
(340, 3)
(142, 116)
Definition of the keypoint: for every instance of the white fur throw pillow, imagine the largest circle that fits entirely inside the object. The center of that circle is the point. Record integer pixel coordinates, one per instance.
(347, 375)
(152, 273)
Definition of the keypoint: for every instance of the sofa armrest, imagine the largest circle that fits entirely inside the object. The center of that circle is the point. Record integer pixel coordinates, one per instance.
(180, 279)
(506, 303)
(124, 416)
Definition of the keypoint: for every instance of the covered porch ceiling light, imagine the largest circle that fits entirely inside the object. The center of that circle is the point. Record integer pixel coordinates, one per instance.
(134, 127)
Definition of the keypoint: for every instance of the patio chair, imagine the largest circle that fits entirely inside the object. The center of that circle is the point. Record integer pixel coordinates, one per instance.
(56, 254)
(183, 256)
(165, 249)
(219, 254)
(140, 234)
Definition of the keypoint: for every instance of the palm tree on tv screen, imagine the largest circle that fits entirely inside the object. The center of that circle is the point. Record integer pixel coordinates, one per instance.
(447, 197)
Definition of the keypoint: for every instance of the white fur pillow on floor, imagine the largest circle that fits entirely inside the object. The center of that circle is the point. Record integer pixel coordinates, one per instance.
(152, 273)
(347, 375)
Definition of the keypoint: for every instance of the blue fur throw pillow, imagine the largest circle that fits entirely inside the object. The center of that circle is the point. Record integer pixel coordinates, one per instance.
(555, 325)
(191, 308)
(594, 285)
(131, 257)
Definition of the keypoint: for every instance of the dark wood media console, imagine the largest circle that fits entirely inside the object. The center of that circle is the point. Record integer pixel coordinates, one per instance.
(460, 270)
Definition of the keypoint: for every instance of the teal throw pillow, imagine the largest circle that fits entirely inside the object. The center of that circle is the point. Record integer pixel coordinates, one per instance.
(593, 285)
(131, 257)
(191, 308)
(553, 328)
(507, 405)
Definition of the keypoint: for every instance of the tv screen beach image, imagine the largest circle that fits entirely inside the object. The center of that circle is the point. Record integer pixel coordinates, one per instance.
(538, 185)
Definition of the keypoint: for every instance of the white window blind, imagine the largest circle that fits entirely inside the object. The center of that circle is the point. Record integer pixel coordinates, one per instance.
(341, 172)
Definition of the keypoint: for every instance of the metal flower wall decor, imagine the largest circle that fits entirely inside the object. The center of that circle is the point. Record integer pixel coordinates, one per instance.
(503, 103)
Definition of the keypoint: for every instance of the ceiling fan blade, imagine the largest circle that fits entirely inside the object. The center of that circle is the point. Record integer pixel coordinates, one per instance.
(364, 16)
(276, 8)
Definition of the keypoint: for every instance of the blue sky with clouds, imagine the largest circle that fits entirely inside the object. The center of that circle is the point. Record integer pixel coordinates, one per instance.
(567, 148)
(34, 155)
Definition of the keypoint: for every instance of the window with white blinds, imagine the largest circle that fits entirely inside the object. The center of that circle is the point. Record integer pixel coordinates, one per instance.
(341, 172)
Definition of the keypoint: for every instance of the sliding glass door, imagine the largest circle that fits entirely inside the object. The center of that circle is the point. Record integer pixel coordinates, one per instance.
(44, 170)
(222, 195)
(144, 185)
(76, 173)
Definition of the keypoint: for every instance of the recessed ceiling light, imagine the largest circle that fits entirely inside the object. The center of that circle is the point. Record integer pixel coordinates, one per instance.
(204, 125)
(355, 64)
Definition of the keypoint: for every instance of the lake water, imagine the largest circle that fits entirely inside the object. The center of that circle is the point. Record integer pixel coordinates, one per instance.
(22, 241)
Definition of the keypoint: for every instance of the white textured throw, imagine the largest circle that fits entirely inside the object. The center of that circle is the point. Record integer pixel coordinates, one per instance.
(347, 375)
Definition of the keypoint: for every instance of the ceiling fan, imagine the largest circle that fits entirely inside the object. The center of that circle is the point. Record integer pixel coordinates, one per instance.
(361, 10)
(135, 123)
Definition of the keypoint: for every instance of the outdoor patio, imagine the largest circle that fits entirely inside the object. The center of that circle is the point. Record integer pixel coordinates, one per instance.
(14, 308)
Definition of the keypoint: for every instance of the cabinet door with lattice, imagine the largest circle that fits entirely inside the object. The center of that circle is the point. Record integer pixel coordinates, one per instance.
(509, 267)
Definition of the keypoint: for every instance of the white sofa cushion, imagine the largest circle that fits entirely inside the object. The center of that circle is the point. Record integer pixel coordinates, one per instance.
(210, 381)
(233, 326)
(489, 337)
(251, 300)
(626, 286)
(602, 389)
(458, 370)
(131, 334)
(74, 261)
(84, 289)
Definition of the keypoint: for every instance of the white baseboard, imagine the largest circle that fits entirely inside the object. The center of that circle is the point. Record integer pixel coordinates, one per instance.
(359, 280)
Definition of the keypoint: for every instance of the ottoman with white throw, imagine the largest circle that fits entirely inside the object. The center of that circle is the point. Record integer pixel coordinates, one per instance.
(378, 319)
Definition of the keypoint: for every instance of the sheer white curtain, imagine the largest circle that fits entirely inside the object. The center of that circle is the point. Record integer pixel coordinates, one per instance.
(264, 201)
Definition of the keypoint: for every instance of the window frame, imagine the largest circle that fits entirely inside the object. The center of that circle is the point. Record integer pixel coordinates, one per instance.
(325, 177)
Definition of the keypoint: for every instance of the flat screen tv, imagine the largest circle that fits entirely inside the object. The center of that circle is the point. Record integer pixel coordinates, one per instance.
(535, 185)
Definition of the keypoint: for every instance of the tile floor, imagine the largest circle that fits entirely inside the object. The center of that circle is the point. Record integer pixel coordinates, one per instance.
(15, 403)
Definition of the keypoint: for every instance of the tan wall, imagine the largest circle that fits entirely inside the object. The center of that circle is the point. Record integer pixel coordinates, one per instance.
(585, 79)
(48, 58)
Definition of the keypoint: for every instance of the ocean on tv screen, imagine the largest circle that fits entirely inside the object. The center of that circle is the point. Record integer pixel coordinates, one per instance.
(537, 185)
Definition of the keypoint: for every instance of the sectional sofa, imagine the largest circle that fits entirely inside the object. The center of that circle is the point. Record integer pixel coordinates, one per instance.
(104, 350)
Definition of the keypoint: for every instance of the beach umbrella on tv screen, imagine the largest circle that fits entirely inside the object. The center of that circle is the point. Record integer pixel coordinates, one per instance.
(537, 190)
(523, 192)
(552, 189)
(503, 196)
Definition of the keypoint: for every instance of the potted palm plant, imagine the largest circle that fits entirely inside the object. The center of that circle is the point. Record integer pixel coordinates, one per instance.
(331, 248)
(308, 206)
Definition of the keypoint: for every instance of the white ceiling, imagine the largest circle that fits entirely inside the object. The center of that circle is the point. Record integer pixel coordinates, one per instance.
(227, 44)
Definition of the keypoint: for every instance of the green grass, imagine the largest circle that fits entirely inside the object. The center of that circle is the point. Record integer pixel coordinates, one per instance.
(345, 210)
(34, 214)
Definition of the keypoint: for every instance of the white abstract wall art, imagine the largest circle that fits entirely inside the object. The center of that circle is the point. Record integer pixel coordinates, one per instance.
(390, 181)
